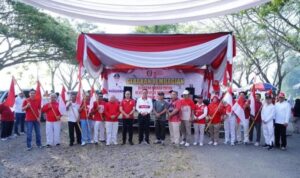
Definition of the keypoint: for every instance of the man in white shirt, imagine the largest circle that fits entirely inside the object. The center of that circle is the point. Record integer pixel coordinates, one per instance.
(282, 116)
(19, 114)
(144, 107)
(267, 117)
(73, 120)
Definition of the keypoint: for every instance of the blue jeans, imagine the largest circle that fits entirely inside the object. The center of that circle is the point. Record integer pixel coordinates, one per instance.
(36, 126)
(20, 119)
(86, 128)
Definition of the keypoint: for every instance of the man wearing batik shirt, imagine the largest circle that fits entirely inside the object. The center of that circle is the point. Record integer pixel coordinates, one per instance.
(174, 118)
(160, 108)
(144, 107)
(127, 109)
(52, 121)
(97, 111)
(85, 122)
(112, 112)
(199, 121)
(215, 114)
(32, 108)
(257, 121)
(187, 108)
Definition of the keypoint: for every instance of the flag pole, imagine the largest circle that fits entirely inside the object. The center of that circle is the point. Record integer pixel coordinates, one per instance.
(255, 119)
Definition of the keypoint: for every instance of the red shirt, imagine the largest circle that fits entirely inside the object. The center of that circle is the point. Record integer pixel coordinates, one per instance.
(258, 106)
(112, 109)
(175, 105)
(247, 110)
(84, 112)
(199, 110)
(212, 109)
(33, 112)
(52, 111)
(6, 113)
(127, 106)
(98, 110)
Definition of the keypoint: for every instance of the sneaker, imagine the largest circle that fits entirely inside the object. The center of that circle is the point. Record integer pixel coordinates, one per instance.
(22, 133)
(195, 143)
(157, 142)
(71, 144)
(48, 146)
(16, 134)
(239, 142)
(3, 139)
(107, 144)
(40, 147)
(265, 146)
(182, 142)
(123, 143)
(283, 148)
(200, 144)
(226, 142)
(83, 143)
(131, 143)
(186, 144)
(92, 141)
(162, 142)
(270, 148)
(115, 143)
(58, 144)
(232, 144)
(246, 143)
(147, 143)
(96, 143)
(29, 148)
(210, 142)
(256, 144)
(215, 143)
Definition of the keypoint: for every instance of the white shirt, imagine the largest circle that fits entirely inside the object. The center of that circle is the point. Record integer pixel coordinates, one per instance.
(18, 104)
(282, 112)
(72, 112)
(144, 105)
(268, 112)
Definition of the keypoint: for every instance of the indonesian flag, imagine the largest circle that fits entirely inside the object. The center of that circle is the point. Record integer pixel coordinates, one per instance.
(228, 97)
(62, 101)
(10, 101)
(238, 109)
(252, 101)
(93, 98)
(79, 96)
(38, 94)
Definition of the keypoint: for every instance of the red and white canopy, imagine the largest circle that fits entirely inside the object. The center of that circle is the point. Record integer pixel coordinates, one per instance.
(127, 51)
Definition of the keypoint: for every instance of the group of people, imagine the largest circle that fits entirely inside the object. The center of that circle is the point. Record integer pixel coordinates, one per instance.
(99, 122)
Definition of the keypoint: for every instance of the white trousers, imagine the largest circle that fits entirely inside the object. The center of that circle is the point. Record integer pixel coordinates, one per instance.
(229, 129)
(245, 125)
(174, 128)
(53, 133)
(111, 132)
(199, 133)
(99, 130)
(268, 131)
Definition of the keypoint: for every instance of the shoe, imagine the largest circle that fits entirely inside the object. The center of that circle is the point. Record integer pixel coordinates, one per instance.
(58, 144)
(16, 134)
(215, 143)
(162, 142)
(186, 144)
(107, 144)
(91, 142)
(83, 143)
(147, 143)
(157, 142)
(256, 144)
(182, 142)
(40, 147)
(246, 143)
(283, 148)
(266, 146)
(48, 146)
(71, 144)
(131, 143)
(195, 143)
(226, 142)
(200, 144)
(210, 142)
(270, 148)
(232, 144)
(115, 143)
(123, 143)
(22, 133)
(29, 148)
(3, 139)
(96, 143)
(140, 142)
(239, 142)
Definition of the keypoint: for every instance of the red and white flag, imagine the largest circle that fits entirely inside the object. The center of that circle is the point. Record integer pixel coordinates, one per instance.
(79, 96)
(238, 109)
(62, 101)
(228, 97)
(92, 98)
(10, 101)
(38, 94)
(252, 101)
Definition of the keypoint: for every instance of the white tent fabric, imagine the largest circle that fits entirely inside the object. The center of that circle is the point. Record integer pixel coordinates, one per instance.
(144, 12)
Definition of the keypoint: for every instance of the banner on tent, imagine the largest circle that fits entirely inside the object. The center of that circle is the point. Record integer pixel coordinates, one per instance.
(154, 80)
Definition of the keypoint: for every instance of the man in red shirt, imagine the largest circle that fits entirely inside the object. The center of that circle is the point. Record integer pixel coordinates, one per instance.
(127, 109)
(187, 108)
(199, 121)
(215, 114)
(112, 112)
(52, 121)
(257, 121)
(174, 118)
(7, 121)
(98, 113)
(32, 108)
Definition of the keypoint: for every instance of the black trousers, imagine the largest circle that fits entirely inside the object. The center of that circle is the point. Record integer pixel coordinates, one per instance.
(6, 128)
(74, 126)
(127, 127)
(257, 127)
(144, 122)
(160, 129)
(280, 135)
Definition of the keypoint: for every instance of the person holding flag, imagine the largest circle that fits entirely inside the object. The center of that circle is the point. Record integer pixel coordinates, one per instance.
(86, 136)
(255, 121)
(32, 108)
(97, 111)
(199, 120)
(73, 120)
(268, 116)
(53, 123)
(112, 112)
(215, 114)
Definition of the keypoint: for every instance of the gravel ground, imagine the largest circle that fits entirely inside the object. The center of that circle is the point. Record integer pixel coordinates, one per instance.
(147, 160)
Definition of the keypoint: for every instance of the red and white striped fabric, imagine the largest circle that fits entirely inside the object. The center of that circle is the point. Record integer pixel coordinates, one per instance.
(252, 101)
(118, 51)
(62, 101)
(228, 97)
(92, 99)
(238, 109)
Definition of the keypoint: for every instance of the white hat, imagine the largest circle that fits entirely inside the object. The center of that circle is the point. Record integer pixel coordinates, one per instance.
(185, 92)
